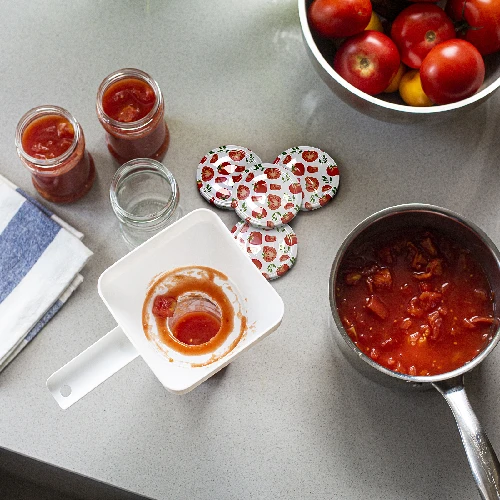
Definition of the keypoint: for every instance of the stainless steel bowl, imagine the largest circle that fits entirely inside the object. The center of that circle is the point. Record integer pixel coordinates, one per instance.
(482, 459)
(388, 107)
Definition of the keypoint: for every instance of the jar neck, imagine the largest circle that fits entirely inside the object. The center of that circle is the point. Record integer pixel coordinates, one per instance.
(135, 127)
(48, 164)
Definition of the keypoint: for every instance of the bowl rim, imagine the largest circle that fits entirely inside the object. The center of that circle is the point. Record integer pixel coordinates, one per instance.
(306, 32)
(357, 231)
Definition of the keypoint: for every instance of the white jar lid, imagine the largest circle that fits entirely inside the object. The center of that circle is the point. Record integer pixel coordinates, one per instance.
(317, 172)
(220, 169)
(273, 251)
(268, 196)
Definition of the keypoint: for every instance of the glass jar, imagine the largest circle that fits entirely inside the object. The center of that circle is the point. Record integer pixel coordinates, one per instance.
(145, 199)
(51, 145)
(129, 138)
(196, 319)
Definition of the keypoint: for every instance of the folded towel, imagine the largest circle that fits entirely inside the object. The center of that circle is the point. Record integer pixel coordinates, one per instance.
(40, 260)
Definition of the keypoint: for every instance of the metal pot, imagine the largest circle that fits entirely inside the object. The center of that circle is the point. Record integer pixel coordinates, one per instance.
(388, 107)
(483, 461)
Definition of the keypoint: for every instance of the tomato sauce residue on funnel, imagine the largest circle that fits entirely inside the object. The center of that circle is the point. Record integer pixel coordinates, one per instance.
(191, 312)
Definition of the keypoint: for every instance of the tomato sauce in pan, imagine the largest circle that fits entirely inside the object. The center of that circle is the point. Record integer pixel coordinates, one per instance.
(417, 303)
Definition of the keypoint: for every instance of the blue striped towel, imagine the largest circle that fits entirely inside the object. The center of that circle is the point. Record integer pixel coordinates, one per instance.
(40, 260)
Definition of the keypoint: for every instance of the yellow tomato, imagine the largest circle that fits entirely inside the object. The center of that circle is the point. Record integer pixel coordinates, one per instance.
(394, 85)
(410, 89)
(375, 23)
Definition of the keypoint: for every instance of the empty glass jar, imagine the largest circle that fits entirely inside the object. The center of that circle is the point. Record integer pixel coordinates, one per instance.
(145, 199)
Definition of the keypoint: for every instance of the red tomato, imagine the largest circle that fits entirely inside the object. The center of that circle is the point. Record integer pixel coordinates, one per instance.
(452, 71)
(332, 18)
(478, 22)
(417, 29)
(368, 61)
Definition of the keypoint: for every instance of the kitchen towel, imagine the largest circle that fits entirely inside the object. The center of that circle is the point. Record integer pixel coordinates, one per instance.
(41, 257)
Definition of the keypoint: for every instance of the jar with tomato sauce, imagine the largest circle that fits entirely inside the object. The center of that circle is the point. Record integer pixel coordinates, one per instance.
(195, 320)
(51, 145)
(131, 109)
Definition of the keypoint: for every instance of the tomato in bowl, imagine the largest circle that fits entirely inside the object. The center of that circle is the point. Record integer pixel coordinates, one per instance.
(387, 106)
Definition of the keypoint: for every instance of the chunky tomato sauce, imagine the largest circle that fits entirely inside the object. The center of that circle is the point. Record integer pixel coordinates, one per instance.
(66, 178)
(128, 100)
(48, 137)
(417, 303)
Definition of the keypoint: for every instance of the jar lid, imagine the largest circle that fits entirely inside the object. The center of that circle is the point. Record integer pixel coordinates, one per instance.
(273, 251)
(220, 169)
(268, 196)
(317, 172)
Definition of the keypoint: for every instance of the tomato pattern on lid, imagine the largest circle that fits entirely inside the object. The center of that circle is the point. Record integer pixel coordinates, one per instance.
(220, 169)
(317, 172)
(273, 251)
(268, 196)
(237, 227)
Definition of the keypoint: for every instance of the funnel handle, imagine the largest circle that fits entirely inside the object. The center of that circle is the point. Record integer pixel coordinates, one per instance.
(481, 455)
(91, 367)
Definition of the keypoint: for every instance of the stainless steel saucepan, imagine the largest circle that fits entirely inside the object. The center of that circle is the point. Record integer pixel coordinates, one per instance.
(482, 459)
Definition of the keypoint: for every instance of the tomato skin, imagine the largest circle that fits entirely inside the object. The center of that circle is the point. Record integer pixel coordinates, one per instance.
(410, 89)
(396, 79)
(375, 23)
(417, 29)
(339, 18)
(452, 71)
(481, 19)
(368, 61)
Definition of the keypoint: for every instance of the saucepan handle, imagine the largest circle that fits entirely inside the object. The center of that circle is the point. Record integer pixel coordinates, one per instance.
(91, 367)
(481, 455)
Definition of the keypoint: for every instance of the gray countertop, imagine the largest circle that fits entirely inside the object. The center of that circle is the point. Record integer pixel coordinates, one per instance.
(290, 418)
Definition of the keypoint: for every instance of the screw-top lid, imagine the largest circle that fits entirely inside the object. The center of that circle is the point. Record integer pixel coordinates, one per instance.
(317, 172)
(268, 196)
(273, 251)
(220, 169)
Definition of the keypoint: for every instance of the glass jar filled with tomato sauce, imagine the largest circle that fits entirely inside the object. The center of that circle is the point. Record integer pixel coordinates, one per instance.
(131, 109)
(51, 144)
(191, 318)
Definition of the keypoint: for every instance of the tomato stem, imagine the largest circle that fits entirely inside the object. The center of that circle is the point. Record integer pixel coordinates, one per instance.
(462, 26)
(430, 36)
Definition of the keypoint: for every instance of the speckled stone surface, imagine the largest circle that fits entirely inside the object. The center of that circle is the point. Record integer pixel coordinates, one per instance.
(289, 419)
